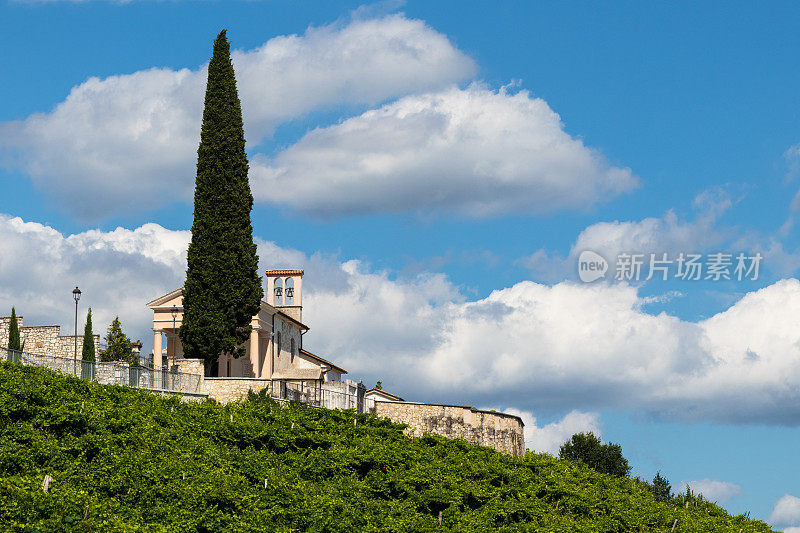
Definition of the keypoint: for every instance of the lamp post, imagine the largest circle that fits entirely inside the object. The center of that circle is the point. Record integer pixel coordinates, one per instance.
(76, 295)
(174, 312)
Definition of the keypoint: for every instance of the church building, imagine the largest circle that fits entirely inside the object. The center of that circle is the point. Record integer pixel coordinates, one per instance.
(275, 349)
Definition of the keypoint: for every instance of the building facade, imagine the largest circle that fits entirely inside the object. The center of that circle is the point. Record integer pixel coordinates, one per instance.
(275, 349)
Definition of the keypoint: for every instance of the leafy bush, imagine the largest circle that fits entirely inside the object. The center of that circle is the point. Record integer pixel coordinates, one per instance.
(128, 460)
(603, 458)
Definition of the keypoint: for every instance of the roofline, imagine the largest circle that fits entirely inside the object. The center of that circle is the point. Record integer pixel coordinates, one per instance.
(384, 392)
(318, 358)
(152, 303)
(302, 326)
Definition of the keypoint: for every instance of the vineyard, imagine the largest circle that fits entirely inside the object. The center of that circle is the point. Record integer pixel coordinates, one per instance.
(119, 459)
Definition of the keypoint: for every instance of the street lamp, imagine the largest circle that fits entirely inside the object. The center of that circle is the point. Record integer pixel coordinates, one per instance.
(76, 295)
(174, 312)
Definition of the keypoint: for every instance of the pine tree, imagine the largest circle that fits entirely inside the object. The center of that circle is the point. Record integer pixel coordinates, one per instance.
(661, 488)
(223, 290)
(14, 342)
(88, 353)
(119, 346)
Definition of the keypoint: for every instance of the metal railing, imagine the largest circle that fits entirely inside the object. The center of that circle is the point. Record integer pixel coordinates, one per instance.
(319, 394)
(110, 373)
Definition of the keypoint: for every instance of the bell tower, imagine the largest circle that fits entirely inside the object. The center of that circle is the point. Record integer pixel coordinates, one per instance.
(285, 291)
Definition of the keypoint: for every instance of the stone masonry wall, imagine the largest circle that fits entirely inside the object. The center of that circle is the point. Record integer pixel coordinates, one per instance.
(5, 322)
(191, 366)
(226, 390)
(501, 431)
(45, 340)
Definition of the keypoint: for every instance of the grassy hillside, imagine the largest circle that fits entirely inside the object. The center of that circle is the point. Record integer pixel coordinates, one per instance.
(128, 460)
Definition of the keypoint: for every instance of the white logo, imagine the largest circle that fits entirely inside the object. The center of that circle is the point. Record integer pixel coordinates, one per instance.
(591, 266)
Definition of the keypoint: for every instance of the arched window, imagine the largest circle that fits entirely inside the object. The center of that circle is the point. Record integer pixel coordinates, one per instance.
(289, 299)
(278, 291)
(292, 351)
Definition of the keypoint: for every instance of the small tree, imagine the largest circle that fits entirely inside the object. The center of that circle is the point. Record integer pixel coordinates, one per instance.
(88, 353)
(119, 346)
(661, 488)
(14, 342)
(603, 458)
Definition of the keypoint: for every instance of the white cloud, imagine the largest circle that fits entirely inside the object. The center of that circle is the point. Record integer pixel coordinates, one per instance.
(715, 491)
(117, 271)
(653, 235)
(549, 437)
(667, 234)
(473, 151)
(559, 348)
(573, 346)
(132, 139)
(786, 512)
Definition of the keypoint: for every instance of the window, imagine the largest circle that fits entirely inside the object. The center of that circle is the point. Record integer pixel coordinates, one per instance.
(278, 343)
(289, 299)
(278, 291)
(292, 350)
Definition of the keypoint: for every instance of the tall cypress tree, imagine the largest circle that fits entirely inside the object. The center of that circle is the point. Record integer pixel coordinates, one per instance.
(223, 290)
(13, 333)
(88, 353)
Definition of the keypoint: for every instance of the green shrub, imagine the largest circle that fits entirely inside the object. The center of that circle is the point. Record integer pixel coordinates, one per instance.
(603, 458)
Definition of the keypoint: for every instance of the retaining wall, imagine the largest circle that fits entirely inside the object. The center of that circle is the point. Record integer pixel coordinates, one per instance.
(501, 431)
(226, 390)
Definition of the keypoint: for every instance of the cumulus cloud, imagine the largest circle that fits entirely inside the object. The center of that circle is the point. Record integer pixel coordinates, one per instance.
(668, 234)
(715, 491)
(132, 138)
(786, 512)
(558, 347)
(116, 271)
(549, 437)
(578, 346)
(473, 151)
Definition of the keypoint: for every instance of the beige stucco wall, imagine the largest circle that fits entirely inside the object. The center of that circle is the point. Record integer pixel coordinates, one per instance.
(268, 359)
(500, 431)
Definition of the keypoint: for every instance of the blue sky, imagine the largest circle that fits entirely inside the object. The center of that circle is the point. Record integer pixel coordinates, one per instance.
(436, 167)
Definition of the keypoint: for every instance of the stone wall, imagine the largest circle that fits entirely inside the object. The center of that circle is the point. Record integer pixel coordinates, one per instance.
(501, 431)
(45, 340)
(191, 366)
(5, 322)
(226, 390)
